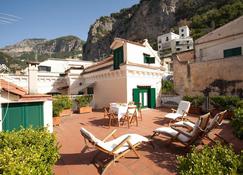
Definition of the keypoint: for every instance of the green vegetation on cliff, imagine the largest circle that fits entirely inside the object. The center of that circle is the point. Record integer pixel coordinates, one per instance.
(203, 16)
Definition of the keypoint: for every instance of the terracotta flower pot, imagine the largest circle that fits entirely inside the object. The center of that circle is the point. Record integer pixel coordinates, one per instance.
(56, 121)
(66, 112)
(85, 109)
(195, 110)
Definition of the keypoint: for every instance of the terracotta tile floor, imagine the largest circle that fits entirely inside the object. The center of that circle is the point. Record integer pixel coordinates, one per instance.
(157, 161)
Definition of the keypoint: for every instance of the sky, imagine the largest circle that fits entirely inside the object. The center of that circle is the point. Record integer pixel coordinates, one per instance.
(23, 19)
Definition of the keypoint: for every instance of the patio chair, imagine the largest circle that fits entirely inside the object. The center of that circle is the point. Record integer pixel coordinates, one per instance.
(106, 112)
(181, 111)
(185, 137)
(216, 121)
(139, 108)
(130, 116)
(116, 148)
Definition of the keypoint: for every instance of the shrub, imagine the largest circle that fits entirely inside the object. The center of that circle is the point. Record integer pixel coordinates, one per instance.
(237, 123)
(28, 151)
(196, 101)
(225, 102)
(84, 100)
(240, 168)
(60, 102)
(217, 160)
(56, 108)
(167, 87)
(64, 101)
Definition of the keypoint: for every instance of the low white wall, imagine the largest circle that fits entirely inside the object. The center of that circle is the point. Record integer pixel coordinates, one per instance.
(47, 111)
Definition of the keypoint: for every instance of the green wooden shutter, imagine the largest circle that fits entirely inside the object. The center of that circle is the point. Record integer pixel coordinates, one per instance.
(152, 98)
(33, 115)
(232, 52)
(136, 95)
(22, 114)
(152, 60)
(12, 116)
(118, 57)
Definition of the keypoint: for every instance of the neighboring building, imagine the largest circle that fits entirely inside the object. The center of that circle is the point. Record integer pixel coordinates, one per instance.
(132, 73)
(173, 43)
(54, 76)
(182, 71)
(59, 66)
(217, 64)
(224, 42)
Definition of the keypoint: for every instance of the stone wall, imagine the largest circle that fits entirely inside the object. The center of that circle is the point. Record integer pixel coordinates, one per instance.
(223, 76)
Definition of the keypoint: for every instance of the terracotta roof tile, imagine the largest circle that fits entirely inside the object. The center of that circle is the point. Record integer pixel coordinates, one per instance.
(24, 96)
(185, 56)
(12, 88)
(106, 60)
(140, 43)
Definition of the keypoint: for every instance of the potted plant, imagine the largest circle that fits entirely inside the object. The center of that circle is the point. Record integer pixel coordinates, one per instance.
(228, 103)
(167, 87)
(56, 110)
(196, 103)
(83, 103)
(65, 103)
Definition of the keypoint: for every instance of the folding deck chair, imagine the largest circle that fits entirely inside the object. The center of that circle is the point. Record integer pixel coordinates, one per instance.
(186, 138)
(181, 111)
(116, 148)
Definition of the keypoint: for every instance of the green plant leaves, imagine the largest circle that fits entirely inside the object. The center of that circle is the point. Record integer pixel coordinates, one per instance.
(196, 101)
(237, 123)
(84, 100)
(59, 103)
(28, 151)
(220, 160)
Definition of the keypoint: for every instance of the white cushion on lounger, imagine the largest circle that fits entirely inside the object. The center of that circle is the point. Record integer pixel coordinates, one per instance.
(110, 145)
(173, 116)
(171, 132)
(184, 123)
(134, 139)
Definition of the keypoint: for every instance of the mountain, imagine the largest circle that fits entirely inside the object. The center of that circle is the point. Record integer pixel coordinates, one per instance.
(144, 20)
(16, 55)
(151, 18)
(42, 46)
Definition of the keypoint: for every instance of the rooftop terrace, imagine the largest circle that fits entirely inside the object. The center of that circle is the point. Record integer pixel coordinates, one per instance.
(157, 161)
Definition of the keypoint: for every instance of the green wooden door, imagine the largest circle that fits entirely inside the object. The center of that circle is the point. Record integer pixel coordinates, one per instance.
(136, 95)
(16, 115)
(152, 98)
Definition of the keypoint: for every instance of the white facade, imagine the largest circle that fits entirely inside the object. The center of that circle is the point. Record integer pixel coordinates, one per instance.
(51, 81)
(173, 43)
(61, 65)
(117, 85)
(214, 44)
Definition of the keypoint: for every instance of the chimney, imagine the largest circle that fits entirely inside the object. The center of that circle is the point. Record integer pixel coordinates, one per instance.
(33, 77)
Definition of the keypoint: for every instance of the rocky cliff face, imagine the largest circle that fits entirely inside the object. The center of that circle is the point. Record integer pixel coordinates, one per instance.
(42, 46)
(148, 19)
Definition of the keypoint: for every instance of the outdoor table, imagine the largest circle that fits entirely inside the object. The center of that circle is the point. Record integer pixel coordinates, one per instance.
(123, 110)
(119, 109)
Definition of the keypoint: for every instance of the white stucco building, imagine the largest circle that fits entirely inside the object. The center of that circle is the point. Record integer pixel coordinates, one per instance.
(173, 43)
(224, 42)
(53, 76)
(132, 73)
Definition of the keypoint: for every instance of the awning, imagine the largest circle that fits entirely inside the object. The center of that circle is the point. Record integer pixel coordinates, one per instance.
(87, 85)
